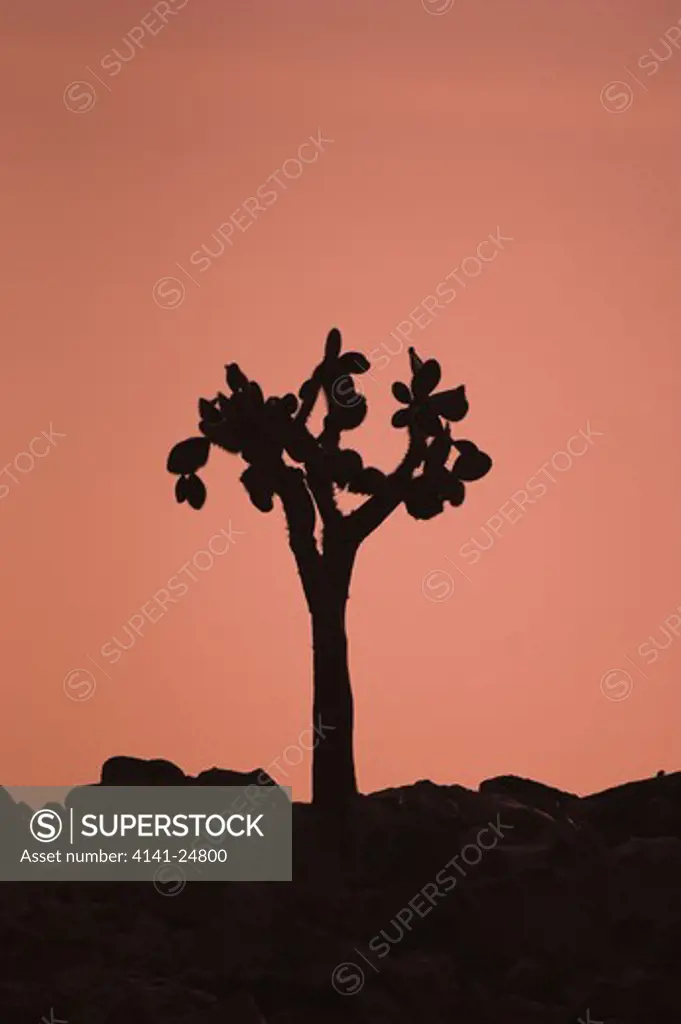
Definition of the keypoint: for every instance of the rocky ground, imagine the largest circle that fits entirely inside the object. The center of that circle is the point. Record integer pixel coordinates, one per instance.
(569, 911)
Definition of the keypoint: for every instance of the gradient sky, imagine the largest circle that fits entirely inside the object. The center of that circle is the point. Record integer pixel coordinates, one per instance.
(446, 128)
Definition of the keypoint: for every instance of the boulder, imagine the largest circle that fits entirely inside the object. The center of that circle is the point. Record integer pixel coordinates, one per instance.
(135, 771)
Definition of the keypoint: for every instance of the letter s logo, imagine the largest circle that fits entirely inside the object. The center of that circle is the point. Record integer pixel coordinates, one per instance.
(46, 825)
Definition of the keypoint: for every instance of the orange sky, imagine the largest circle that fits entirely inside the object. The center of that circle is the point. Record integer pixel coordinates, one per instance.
(443, 129)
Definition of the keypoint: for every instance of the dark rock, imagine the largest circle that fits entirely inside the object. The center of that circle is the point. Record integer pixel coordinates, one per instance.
(647, 807)
(225, 777)
(531, 793)
(135, 771)
(576, 906)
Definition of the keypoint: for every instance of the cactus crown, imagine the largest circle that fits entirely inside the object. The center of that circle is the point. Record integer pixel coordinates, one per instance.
(265, 431)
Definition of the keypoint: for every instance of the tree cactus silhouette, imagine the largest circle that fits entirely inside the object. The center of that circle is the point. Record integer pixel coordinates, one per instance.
(286, 461)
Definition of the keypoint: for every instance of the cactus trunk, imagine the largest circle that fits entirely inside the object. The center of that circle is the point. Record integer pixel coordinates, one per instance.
(333, 767)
